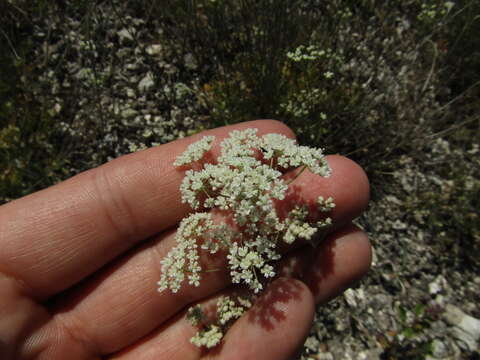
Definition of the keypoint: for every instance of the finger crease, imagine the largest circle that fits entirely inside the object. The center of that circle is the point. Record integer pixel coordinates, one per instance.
(114, 205)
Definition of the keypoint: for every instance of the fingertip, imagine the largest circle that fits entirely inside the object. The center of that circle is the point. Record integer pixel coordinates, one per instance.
(355, 248)
(282, 316)
(341, 260)
(350, 184)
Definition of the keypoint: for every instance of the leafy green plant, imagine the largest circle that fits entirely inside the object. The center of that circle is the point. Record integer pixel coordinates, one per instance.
(369, 92)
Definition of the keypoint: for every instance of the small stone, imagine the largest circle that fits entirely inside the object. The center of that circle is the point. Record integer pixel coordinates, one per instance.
(439, 349)
(154, 49)
(354, 297)
(190, 62)
(130, 93)
(312, 343)
(437, 285)
(374, 257)
(399, 225)
(125, 34)
(146, 83)
(131, 66)
(129, 113)
(349, 296)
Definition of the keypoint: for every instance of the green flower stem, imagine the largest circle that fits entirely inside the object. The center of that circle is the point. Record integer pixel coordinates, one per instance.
(212, 270)
(206, 193)
(298, 174)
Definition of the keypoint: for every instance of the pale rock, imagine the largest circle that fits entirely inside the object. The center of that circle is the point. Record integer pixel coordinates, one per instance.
(131, 66)
(439, 349)
(125, 34)
(146, 83)
(312, 343)
(130, 93)
(190, 62)
(154, 49)
(374, 257)
(437, 286)
(354, 297)
(465, 328)
(399, 225)
(129, 113)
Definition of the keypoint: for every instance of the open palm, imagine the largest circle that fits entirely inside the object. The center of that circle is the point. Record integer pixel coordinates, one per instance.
(79, 264)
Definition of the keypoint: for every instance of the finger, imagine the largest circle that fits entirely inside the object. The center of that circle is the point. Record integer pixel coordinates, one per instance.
(341, 259)
(339, 262)
(124, 300)
(282, 316)
(170, 341)
(348, 186)
(53, 238)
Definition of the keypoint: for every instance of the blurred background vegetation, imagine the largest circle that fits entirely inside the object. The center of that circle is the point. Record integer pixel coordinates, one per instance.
(383, 82)
(369, 79)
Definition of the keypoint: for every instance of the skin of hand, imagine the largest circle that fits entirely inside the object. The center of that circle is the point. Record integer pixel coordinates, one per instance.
(79, 263)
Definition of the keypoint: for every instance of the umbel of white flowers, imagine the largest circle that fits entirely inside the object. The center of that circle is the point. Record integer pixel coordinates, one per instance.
(245, 181)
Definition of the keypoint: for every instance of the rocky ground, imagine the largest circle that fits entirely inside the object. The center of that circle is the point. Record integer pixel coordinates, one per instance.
(414, 303)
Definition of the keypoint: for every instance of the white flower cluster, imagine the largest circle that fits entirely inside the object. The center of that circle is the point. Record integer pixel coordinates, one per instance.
(244, 182)
(325, 204)
(435, 10)
(306, 53)
(209, 337)
(290, 155)
(297, 227)
(195, 151)
(247, 262)
(228, 310)
(184, 258)
(304, 102)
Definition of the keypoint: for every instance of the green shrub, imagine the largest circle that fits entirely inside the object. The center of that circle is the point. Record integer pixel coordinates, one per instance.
(369, 91)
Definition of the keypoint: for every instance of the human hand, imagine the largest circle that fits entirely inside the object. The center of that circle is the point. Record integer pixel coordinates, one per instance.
(79, 264)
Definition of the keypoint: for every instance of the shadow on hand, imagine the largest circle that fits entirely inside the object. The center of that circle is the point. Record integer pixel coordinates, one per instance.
(267, 310)
(312, 263)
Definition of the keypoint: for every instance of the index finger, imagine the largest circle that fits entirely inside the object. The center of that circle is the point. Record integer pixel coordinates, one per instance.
(54, 238)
